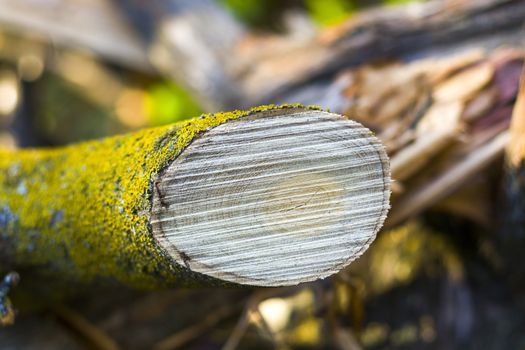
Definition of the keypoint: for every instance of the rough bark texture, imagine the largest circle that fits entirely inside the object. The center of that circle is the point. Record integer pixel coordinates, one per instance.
(83, 211)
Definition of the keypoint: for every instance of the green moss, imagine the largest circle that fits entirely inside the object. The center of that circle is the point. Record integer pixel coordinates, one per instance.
(83, 211)
(329, 12)
(168, 103)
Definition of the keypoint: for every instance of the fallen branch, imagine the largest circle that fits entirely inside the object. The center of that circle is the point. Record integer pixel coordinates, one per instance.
(274, 196)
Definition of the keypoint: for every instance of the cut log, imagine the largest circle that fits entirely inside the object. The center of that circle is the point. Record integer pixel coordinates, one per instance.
(192, 42)
(274, 196)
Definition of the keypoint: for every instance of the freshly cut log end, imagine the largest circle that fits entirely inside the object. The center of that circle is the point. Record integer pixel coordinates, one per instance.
(276, 198)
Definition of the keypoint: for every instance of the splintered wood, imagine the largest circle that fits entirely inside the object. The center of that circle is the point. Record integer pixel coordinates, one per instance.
(274, 199)
(443, 121)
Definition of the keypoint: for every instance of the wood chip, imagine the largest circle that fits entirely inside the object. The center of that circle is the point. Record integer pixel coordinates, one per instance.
(516, 149)
(412, 158)
(440, 116)
(465, 84)
(480, 104)
(398, 101)
(441, 69)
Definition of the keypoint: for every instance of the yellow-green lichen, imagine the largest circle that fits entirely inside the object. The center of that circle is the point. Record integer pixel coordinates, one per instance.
(82, 211)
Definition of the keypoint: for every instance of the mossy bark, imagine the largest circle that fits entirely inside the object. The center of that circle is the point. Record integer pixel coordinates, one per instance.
(82, 212)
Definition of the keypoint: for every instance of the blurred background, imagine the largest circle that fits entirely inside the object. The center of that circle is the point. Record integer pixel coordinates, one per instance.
(437, 81)
(100, 95)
